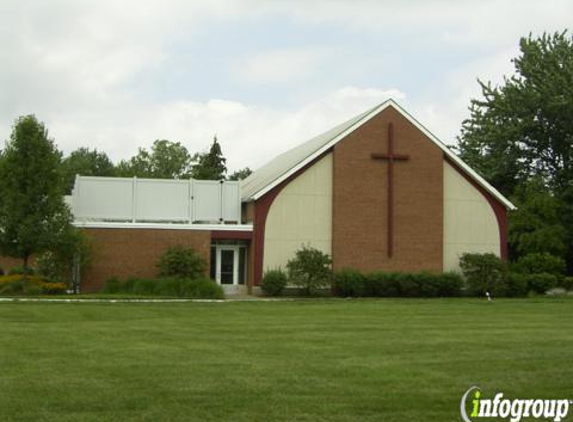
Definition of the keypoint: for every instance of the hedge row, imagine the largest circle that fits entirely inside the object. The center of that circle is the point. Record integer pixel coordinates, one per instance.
(353, 283)
(201, 288)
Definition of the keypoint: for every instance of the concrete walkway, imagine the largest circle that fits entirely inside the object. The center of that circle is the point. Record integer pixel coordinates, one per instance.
(111, 300)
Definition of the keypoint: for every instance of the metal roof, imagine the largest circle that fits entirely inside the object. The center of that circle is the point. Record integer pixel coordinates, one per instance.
(280, 168)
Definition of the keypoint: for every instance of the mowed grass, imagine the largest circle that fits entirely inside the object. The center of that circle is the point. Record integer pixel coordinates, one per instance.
(316, 360)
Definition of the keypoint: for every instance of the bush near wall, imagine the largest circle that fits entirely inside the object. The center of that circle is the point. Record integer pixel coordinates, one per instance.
(484, 272)
(17, 284)
(181, 261)
(353, 283)
(274, 282)
(200, 288)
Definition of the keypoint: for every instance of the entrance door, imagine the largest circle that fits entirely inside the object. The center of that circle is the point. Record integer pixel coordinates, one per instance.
(227, 269)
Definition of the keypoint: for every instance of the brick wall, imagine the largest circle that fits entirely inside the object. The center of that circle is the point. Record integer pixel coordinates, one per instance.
(134, 252)
(360, 199)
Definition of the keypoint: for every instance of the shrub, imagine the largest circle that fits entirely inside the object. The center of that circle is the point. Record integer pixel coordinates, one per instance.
(12, 287)
(1, 271)
(310, 269)
(274, 281)
(17, 284)
(180, 261)
(168, 286)
(112, 285)
(450, 284)
(566, 283)
(541, 283)
(516, 285)
(171, 286)
(381, 284)
(143, 287)
(483, 273)
(538, 263)
(349, 283)
(202, 288)
(352, 283)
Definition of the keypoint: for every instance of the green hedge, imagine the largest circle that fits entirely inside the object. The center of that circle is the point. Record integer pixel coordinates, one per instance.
(201, 288)
(353, 283)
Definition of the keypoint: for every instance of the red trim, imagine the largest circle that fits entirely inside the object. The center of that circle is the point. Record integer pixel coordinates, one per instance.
(498, 208)
(262, 207)
(230, 235)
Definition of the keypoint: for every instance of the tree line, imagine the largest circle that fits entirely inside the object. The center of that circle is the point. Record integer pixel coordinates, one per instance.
(165, 160)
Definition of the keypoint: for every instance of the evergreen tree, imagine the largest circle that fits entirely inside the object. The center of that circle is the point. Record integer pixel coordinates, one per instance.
(210, 165)
(33, 215)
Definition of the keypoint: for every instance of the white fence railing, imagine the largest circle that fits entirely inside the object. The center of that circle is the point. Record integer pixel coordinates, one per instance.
(155, 200)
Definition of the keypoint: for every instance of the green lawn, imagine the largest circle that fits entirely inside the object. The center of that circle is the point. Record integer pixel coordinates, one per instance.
(321, 360)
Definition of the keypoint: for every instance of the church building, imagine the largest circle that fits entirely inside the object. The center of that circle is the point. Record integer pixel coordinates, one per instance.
(378, 192)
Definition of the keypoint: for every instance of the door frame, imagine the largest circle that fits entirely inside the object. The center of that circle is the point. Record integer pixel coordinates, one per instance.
(235, 249)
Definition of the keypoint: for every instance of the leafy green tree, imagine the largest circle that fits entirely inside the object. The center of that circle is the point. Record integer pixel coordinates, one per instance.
(537, 225)
(523, 127)
(310, 269)
(522, 130)
(86, 162)
(139, 165)
(210, 165)
(72, 248)
(241, 174)
(33, 215)
(167, 160)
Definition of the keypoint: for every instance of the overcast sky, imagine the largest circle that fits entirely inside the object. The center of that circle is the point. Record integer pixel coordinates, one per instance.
(262, 75)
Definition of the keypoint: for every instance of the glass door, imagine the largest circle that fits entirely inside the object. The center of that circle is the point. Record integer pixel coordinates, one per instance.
(227, 266)
(227, 269)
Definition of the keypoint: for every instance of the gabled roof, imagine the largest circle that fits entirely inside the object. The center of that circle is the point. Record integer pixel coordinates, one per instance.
(280, 168)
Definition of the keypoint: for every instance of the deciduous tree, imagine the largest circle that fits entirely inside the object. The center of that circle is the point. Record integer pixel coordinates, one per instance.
(33, 215)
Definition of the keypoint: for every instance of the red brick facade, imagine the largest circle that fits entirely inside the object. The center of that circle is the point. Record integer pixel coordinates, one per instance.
(127, 253)
(360, 223)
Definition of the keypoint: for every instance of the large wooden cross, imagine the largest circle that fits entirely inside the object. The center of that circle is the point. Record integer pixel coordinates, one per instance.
(390, 157)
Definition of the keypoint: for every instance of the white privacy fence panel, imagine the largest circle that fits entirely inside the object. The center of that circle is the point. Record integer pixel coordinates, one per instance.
(155, 200)
(109, 199)
(207, 200)
(231, 197)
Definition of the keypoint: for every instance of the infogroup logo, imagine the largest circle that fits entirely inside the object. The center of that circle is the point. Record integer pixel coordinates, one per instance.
(512, 409)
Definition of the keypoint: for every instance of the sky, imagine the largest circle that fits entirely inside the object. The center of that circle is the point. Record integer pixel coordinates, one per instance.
(263, 76)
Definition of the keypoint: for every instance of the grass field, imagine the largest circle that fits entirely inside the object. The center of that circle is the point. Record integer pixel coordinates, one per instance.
(318, 360)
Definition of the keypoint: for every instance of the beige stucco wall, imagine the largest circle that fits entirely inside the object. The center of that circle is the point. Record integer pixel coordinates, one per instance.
(469, 221)
(301, 214)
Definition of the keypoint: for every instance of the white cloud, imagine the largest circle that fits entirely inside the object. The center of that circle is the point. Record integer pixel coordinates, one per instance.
(250, 135)
(290, 64)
